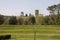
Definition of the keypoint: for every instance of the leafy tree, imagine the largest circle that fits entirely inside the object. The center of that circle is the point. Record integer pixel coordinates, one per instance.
(21, 21)
(54, 9)
(58, 8)
(54, 17)
(13, 20)
(32, 20)
(1, 19)
(26, 22)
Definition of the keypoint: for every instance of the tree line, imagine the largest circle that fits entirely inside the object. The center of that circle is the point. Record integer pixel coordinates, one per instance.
(12, 20)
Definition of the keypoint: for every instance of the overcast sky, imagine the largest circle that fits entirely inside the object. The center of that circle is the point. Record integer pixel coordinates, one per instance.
(14, 7)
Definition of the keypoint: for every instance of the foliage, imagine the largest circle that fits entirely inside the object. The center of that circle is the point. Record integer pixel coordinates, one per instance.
(54, 17)
(32, 20)
(20, 21)
(1, 19)
(13, 20)
(54, 9)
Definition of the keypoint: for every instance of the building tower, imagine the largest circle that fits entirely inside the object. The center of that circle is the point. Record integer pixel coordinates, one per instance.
(22, 13)
(37, 16)
(36, 13)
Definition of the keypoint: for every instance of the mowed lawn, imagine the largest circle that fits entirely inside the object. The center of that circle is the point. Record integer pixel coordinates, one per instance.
(26, 32)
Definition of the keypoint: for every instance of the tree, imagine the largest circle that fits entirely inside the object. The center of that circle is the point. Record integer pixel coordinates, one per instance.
(52, 9)
(54, 17)
(21, 21)
(26, 22)
(13, 20)
(1, 19)
(32, 20)
(58, 8)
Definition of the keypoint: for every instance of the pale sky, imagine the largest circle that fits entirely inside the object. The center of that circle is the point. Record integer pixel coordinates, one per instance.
(14, 7)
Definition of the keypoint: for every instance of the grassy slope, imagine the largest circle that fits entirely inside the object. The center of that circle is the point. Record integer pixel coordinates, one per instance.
(25, 32)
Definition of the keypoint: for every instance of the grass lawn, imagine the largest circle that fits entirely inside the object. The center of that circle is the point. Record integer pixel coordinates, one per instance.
(26, 32)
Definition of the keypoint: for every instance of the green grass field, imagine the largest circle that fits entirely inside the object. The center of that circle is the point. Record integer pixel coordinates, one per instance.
(26, 32)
